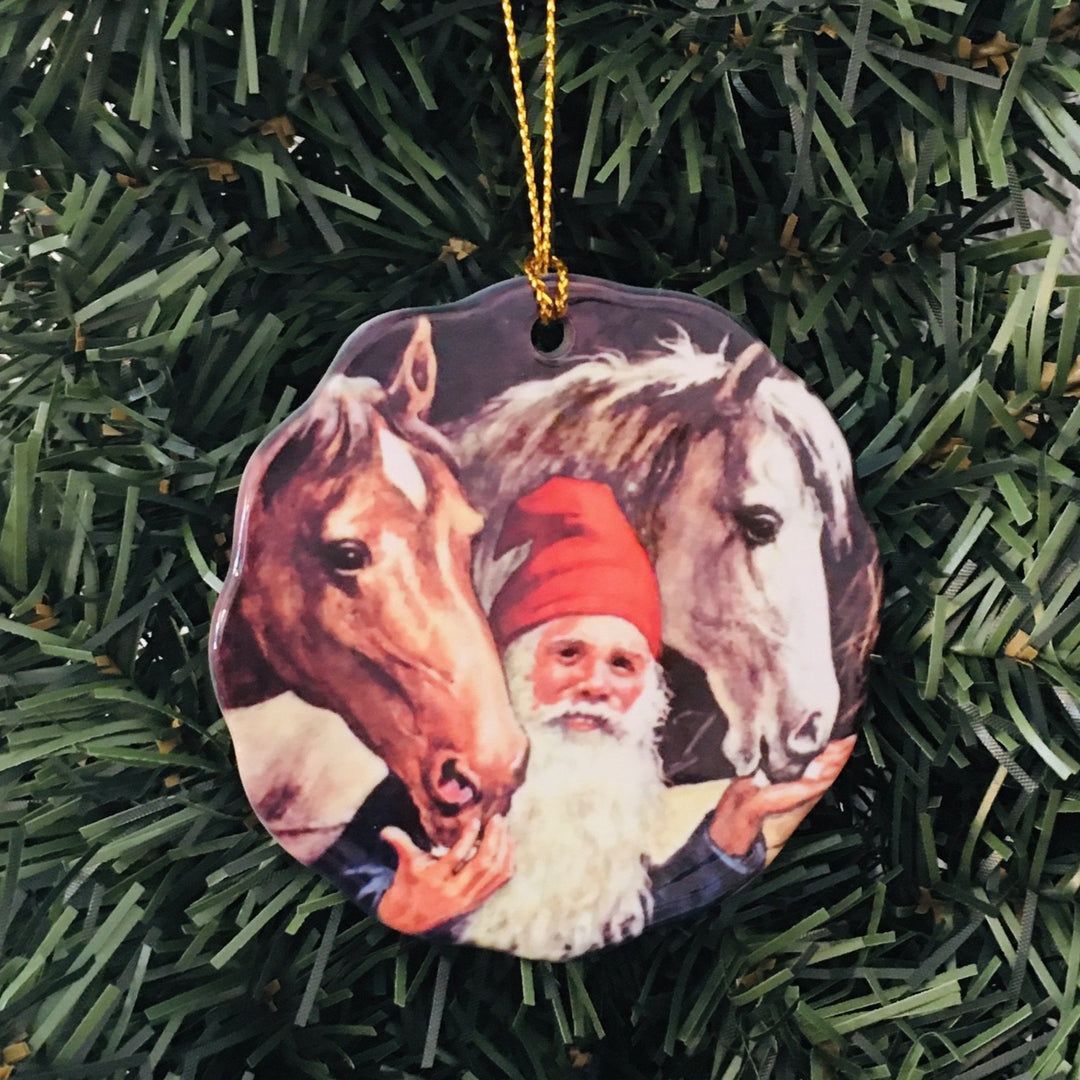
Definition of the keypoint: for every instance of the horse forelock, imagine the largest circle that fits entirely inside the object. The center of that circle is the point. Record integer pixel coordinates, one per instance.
(341, 415)
(336, 419)
(311, 448)
(334, 432)
(423, 436)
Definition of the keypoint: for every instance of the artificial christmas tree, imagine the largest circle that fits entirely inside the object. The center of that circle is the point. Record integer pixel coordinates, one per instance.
(201, 200)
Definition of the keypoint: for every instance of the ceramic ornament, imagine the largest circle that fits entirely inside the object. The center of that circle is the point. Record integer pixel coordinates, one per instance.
(532, 650)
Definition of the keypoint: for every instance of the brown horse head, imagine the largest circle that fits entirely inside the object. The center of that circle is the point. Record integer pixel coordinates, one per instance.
(354, 583)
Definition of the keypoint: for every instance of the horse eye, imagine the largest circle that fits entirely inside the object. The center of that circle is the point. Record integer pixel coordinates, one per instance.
(346, 556)
(759, 524)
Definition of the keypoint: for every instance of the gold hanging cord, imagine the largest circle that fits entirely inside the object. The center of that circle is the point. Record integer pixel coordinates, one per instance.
(541, 261)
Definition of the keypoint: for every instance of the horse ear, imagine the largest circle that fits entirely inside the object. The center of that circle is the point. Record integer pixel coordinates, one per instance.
(412, 387)
(741, 380)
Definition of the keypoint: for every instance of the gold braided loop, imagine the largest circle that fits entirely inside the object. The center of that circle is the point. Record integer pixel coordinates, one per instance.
(542, 261)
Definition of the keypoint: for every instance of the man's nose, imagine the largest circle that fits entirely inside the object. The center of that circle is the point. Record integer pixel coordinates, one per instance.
(596, 682)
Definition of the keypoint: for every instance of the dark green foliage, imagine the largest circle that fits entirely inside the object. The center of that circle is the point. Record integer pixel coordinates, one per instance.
(177, 271)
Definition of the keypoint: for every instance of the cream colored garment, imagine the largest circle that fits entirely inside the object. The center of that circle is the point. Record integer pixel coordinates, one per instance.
(303, 769)
(685, 808)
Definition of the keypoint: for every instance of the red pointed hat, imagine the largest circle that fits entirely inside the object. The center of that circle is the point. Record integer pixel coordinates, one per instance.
(584, 560)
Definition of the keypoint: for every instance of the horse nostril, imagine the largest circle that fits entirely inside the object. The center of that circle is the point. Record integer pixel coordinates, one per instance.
(809, 730)
(746, 761)
(454, 789)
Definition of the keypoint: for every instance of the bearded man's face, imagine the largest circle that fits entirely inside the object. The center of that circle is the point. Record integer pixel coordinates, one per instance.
(585, 674)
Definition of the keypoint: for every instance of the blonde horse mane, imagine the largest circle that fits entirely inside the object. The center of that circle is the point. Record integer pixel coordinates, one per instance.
(629, 424)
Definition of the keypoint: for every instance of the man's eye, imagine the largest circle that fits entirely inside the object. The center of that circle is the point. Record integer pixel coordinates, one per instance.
(623, 663)
(569, 652)
(346, 556)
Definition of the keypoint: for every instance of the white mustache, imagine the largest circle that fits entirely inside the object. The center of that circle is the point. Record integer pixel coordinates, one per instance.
(610, 720)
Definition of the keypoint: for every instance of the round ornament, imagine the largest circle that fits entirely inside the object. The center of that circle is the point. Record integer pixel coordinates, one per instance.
(532, 649)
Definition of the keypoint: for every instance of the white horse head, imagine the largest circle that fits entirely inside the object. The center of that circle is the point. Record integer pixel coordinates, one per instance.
(737, 481)
(742, 542)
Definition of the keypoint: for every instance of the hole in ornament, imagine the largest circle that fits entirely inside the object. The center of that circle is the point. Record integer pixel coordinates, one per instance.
(551, 340)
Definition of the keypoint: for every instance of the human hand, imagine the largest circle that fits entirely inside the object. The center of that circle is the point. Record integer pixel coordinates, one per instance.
(748, 801)
(429, 890)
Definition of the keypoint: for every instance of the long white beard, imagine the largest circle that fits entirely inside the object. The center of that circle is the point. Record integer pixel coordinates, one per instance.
(580, 825)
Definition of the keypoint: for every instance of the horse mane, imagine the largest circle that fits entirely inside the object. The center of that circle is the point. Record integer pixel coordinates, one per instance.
(646, 414)
(627, 424)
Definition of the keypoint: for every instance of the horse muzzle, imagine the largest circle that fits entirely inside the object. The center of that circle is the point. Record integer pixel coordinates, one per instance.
(800, 742)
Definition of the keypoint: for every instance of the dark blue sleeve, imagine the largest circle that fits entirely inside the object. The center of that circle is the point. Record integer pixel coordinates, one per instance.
(699, 873)
(360, 863)
(360, 874)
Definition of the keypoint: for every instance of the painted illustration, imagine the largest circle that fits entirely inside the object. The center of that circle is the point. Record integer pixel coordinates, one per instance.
(571, 658)
(601, 845)
(738, 482)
